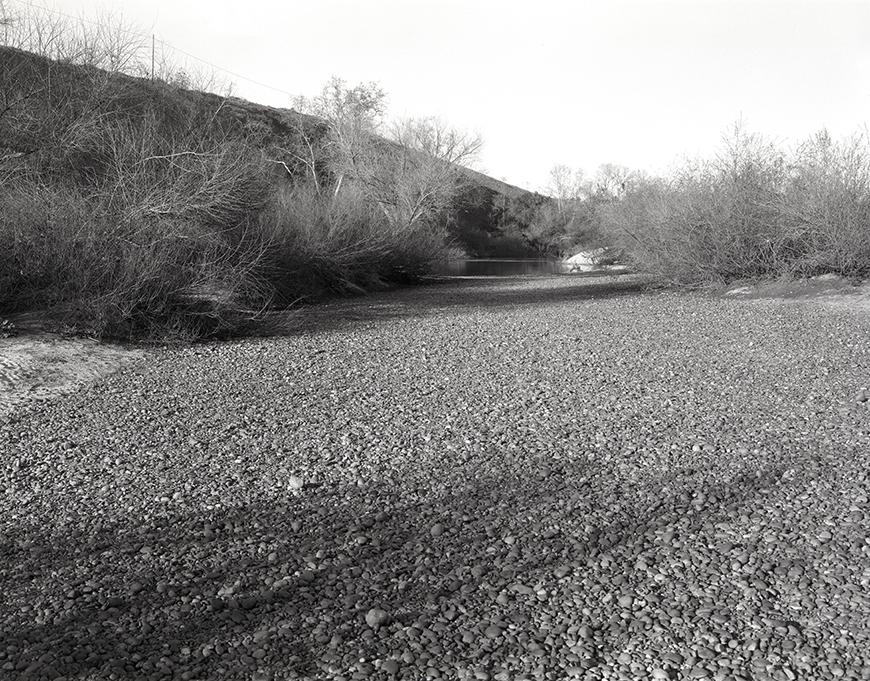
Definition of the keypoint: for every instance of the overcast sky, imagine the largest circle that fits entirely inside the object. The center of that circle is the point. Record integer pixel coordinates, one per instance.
(638, 83)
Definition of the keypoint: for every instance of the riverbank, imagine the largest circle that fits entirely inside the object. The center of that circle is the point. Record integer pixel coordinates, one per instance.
(532, 478)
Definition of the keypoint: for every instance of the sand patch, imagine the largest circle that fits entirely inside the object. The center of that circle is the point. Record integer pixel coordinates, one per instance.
(826, 290)
(42, 367)
(857, 300)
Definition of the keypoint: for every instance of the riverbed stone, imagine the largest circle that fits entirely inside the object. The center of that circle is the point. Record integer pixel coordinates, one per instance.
(546, 426)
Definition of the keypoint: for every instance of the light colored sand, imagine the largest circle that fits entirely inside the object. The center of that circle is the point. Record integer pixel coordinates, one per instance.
(827, 290)
(855, 301)
(40, 367)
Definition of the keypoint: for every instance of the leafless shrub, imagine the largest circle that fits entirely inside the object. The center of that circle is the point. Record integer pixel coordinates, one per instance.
(148, 243)
(103, 40)
(752, 211)
(339, 242)
(410, 170)
(123, 213)
(126, 210)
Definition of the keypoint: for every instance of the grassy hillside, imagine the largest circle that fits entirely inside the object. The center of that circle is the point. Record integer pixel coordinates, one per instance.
(132, 207)
(475, 224)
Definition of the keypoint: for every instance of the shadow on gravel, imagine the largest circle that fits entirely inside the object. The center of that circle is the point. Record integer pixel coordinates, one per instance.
(450, 296)
(155, 583)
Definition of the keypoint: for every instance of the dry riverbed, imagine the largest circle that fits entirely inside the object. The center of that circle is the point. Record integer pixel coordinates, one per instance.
(546, 478)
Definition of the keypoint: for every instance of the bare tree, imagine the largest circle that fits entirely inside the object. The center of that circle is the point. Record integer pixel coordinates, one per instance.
(353, 116)
(105, 40)
(6, 19)
(423, 173)
(612, 181)
(411, 169)
(567, 185)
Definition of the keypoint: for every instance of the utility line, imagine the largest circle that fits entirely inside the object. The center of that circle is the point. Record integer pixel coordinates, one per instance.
(159, 40)
(220, 68)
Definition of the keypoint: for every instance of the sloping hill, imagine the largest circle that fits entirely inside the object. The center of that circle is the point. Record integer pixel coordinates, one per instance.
(475, 223)
(498, 186)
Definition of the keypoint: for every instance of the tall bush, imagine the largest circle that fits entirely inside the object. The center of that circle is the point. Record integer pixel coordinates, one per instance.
(752, 211)
(131, 208)
(322, 241)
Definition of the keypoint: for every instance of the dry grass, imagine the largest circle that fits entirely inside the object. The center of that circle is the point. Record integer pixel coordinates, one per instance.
(753, 211)
(338, 242)
(125, 211)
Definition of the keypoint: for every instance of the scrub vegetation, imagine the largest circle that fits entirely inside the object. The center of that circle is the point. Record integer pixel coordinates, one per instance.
(133, 207)
(755, 210)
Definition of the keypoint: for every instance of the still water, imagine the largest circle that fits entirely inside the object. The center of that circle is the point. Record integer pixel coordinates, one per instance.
(498, 267)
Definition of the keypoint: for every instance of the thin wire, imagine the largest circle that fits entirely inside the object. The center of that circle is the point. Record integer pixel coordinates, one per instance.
(159, 40)
(221, 68)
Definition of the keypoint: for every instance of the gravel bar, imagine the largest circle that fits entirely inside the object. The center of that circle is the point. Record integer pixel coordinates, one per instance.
(547, 478)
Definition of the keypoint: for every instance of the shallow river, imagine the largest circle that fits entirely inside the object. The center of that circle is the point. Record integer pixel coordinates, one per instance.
(504, 267)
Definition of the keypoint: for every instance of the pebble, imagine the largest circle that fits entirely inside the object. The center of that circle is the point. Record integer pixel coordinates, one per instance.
(550, 428)
(625, 601)
(376, 618)
(493, 631)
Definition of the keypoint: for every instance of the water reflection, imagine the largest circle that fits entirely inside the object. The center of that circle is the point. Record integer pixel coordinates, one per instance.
(498, 267)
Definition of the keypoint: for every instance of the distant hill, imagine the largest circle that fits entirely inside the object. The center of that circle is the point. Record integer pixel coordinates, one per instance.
(498, 186)
(477, 224)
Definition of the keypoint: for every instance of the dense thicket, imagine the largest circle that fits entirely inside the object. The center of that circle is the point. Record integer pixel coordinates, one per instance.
(753, 210)
(131, 207)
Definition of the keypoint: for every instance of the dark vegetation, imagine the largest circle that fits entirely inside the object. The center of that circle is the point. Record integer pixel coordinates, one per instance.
(134, 207)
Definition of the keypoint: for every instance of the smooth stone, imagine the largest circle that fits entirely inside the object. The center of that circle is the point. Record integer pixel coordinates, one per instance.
(377, 618)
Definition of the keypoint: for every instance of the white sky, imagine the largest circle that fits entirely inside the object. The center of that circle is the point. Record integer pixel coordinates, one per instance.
(638, 83)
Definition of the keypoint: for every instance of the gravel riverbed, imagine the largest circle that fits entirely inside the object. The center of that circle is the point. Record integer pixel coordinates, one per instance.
(550, 478)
